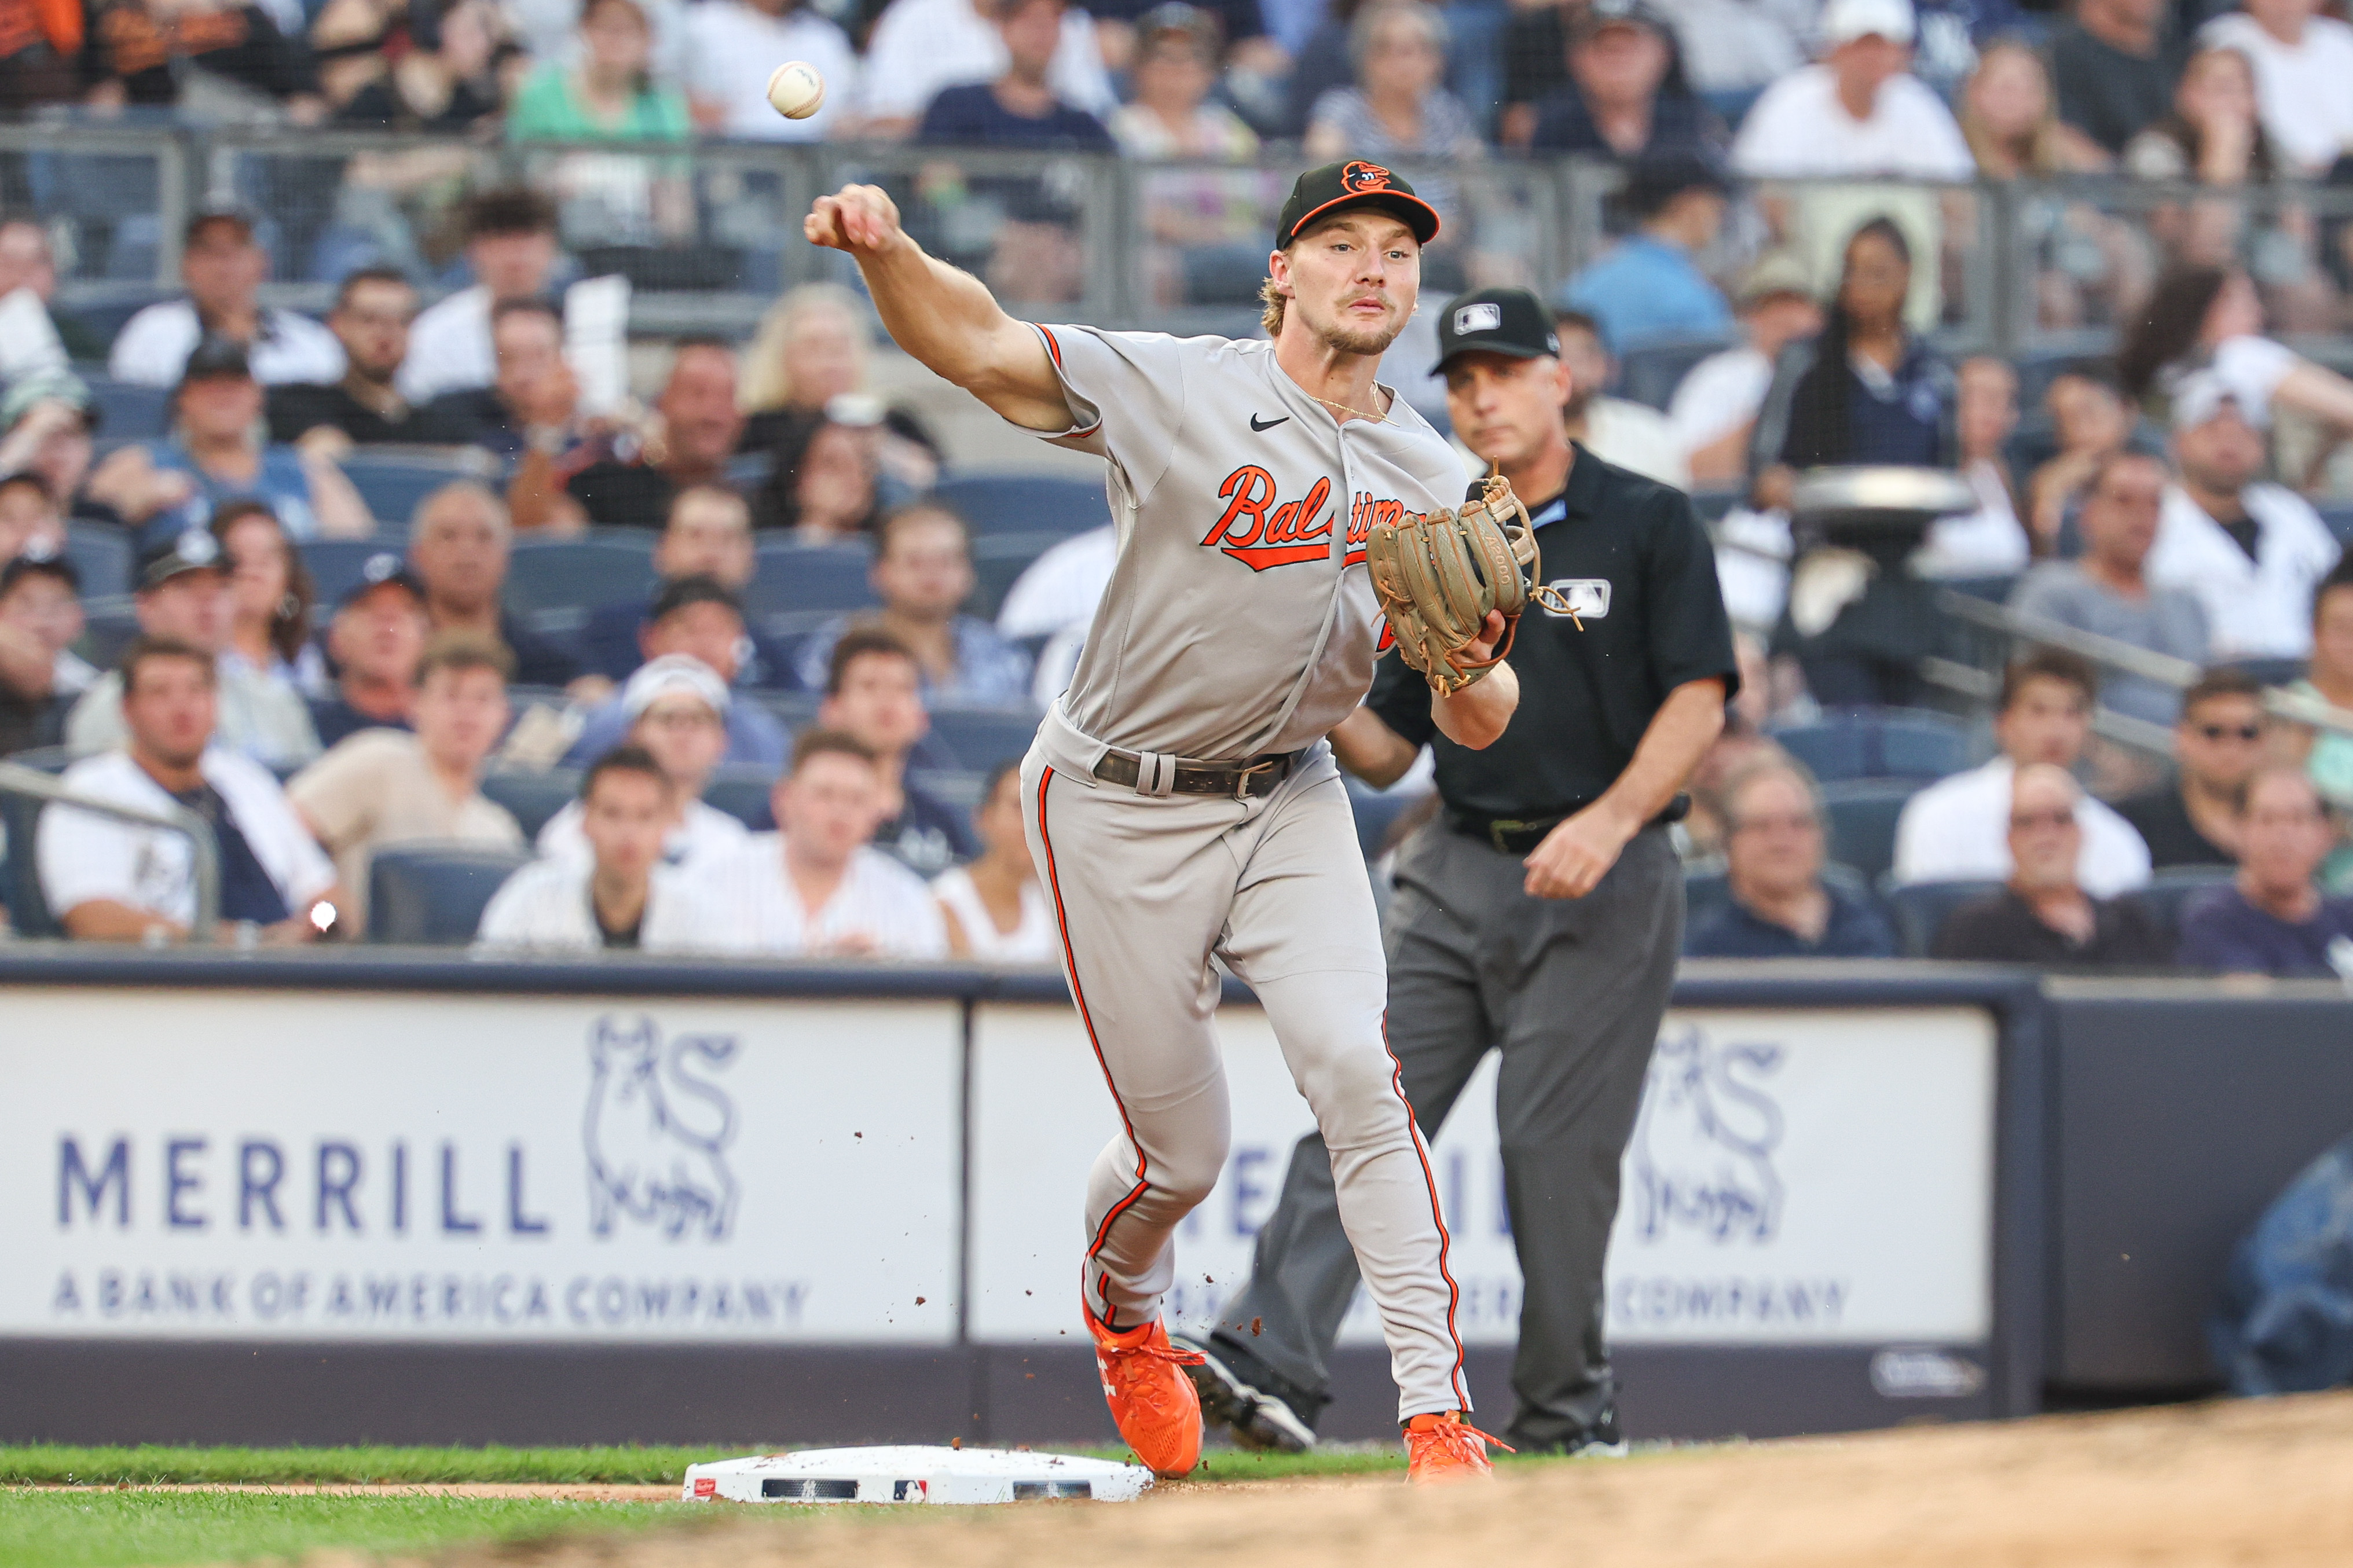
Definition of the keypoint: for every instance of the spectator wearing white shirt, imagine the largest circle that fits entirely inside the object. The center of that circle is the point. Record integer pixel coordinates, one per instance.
(221, 266)
(183, 595)
(992, 907)
(818, 889)
(2303, 61)
(678, 716)
(732, 46)
(2252, 553)
(1714, 410)
(919, 46)
(2210, 320)
(511, 250)
(1957, 829)
(1989, 542)
(108, 881)
(617, 894)
(1859, 112)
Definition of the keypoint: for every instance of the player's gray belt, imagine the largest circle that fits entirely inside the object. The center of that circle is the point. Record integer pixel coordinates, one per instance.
(1155, 773)
(1510, 836)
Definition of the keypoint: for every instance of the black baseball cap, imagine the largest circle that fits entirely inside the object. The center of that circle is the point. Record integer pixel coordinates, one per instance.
(44, 558)
(1508, 321)
(1659, 179)
(216, 358)
(216, 209)
(1601, 16)
(678, 592)
(385, 568)
(1354, 183)
(194, 551)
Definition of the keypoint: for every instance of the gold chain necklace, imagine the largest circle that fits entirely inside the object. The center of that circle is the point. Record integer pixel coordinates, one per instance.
(1375, 419)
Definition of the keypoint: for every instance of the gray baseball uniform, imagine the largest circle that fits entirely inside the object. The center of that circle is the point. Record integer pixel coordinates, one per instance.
(1239, 624)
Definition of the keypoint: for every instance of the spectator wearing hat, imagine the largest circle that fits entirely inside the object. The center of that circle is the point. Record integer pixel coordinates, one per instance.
(183, 597)
(1397, 109)
(2192, 819)
(677, 708)
(221, 266)
(2302, 59)
(379, 633)
(1171, 115)
(216, 456)
(1614, 429)
(373, 309)
(41, 617)
(2252, 552)
(874, 695)
(108, 881)
(29, 260)
(619, 894)
(1780, 907)
(1715, 406)
(628, 480)
(2043, 916)
(818, 888)
(382, 788)
(2274, 919)
(2112, 71)
(29, 519)
(1858, 113)
(1019, 106)
(1956, 829)
(707, 535)
(731, 46)
(1625, 98)
(922, 573)
(511, 249)
(702, 619)
(1647, 289)
(459, 545)
(272, 597)
(2106, 591)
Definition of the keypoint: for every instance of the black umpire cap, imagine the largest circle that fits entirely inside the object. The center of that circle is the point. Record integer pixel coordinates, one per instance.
(1508, 321)
(1336, 187)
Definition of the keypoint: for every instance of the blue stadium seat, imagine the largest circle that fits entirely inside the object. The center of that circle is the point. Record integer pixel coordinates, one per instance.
(20, 877)
(955, 788)
(393, 482)
(336, 563)
(796, 710)
(980, 738)
(532, 797)
(742, 791)
(1704, 892)
(1650, 375)
(1861, 824)
(795, 586)
(2340, 518)
(128, 412)
(2171, 887)
(1919, 910)
(106, 632)
(998, 562)
(434, 893)
(606, 568)
(101, 553)
(1025, 503)
(1377, 812)
(1879, 743)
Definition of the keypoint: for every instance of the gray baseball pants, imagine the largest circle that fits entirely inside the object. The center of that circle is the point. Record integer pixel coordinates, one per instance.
(1571, 992)
(1146, 890)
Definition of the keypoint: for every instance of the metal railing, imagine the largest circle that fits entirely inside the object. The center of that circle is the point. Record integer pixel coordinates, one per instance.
(204, 847)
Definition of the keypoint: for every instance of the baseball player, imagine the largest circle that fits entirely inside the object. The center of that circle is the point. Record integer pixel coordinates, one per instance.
(1180, 800)
(1540, 914)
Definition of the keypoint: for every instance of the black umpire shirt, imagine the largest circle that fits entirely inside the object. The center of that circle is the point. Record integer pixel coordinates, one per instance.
(1633, 549)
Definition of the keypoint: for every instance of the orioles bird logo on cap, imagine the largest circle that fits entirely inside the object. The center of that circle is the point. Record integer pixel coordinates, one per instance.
(1361, 177)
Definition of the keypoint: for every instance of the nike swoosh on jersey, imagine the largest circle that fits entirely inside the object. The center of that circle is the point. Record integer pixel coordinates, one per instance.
(1268, 424)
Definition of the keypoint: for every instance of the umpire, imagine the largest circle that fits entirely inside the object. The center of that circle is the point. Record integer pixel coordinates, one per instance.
(1540, 914)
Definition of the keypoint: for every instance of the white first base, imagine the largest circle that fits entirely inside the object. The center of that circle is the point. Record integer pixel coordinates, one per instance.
(913, 1475)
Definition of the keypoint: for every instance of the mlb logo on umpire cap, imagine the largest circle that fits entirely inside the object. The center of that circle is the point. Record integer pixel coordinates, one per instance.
(1482, 317)
(1508, 321)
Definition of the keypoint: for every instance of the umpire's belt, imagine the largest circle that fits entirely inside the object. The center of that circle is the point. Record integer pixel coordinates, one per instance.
(1510, 836)
(1154, 773)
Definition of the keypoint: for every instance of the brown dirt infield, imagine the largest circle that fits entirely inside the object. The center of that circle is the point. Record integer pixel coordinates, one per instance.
(2265, 1482)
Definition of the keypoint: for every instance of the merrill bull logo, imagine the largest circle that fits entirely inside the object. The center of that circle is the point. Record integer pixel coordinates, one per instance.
(1702, 1156)
(655, 1134)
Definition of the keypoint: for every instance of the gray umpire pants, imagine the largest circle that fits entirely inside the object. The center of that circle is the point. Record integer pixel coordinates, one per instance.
(1571, 992)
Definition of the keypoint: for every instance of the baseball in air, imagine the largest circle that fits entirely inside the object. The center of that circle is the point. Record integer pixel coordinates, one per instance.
(796, 90)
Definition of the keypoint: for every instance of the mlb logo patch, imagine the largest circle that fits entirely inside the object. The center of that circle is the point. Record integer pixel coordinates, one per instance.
(1479, 318)
(1588, 597)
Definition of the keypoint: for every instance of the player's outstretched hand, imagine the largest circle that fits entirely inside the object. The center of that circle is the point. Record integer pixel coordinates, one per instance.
(860, 219)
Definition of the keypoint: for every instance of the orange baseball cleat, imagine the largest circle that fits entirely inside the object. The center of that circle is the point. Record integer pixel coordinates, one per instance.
(1152, 1400)
(1443, 1446)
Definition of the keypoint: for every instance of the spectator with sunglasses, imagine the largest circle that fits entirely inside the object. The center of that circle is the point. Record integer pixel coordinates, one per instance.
(2043, 915)
(2218, 744)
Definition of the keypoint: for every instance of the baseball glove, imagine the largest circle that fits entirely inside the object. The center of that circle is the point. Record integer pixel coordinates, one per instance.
(1439, 577)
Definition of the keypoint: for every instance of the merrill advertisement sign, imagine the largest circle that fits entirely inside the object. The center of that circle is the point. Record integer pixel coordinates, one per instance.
(1795, 1177)
(270, 1165)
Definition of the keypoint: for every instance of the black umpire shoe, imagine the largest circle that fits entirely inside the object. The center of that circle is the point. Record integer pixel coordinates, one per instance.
(1601, 1440)
(1256, 1417)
